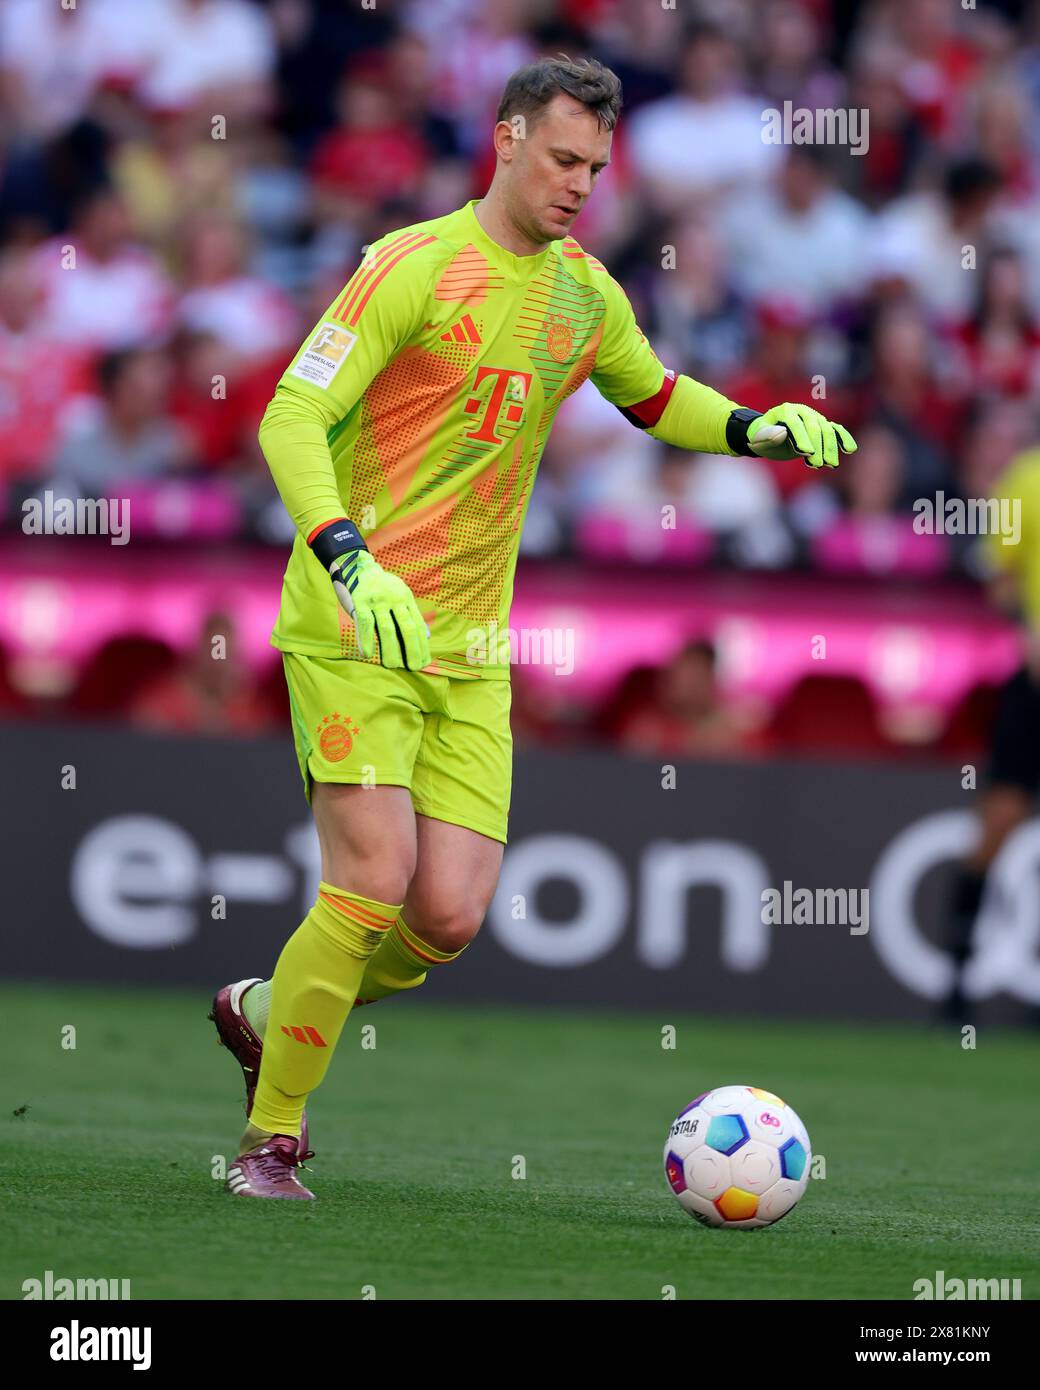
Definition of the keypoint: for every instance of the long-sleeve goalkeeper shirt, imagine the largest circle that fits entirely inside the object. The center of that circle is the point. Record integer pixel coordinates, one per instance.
(419, 407)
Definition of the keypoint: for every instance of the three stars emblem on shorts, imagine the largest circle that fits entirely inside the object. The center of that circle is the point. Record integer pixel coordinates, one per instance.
(336, 734)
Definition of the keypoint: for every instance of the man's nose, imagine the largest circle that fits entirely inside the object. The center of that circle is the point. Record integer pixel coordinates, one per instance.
(581, 182)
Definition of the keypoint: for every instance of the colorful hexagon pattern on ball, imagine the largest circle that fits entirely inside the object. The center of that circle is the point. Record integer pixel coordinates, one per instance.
(737, 1157)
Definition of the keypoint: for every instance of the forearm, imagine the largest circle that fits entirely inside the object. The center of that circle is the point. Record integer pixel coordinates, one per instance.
(695, 418)
(294, 438)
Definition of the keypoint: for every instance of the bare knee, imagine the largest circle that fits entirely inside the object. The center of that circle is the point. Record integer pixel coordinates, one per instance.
(453, 885)
(445, 924)
(369, 877)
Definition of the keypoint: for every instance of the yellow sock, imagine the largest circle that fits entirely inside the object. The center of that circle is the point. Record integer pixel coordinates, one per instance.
(400, 961)
(313, 988)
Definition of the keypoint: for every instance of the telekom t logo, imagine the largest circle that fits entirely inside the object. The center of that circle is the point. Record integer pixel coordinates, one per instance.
(508, 383)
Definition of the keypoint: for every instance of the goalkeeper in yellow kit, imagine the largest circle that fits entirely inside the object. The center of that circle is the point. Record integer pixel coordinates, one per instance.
(404, 439)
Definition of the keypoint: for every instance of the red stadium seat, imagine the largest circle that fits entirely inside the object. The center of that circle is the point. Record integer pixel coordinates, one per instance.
(828, 714)
(117, 673)
(13, 704)
(634, 690)
(967, 733)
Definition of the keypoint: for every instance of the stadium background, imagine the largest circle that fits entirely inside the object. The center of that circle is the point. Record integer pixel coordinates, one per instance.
(218, 166)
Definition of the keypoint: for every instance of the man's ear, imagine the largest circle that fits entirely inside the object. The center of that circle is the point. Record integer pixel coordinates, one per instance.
(506, 135)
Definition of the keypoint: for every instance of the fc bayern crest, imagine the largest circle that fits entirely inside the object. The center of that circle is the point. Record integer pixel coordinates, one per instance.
(559, 337)
(336, 737)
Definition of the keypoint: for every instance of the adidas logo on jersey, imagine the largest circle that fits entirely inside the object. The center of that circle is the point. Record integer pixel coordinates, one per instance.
(465, 331)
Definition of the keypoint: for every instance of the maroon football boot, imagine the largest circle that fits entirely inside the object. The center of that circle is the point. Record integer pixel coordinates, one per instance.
(245, 1045)
(269, 1170)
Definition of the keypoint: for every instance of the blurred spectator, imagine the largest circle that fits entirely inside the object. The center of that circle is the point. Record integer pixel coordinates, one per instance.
(921, 238)
(448, 180)
(41, 380)
(474, 45)
(1000, 127)
(787, 40)
(171, 169)
(103, 290)
(638, 43)
(683, 713)
(375, 154)
(218, 408)
(54, 58)
(701, 323)
(775, 371)
(897, 136)
(875, 537)
(798, 235)
(996, 433)
(273, 196)
(705, 138)
(598, 456)
(875, 486)
(132, 436)
(210, 691)
(936, 58)
(1000, 341)
(905, 394)
(216, 53)
(252, 319)
(316, 41)
(736, 498)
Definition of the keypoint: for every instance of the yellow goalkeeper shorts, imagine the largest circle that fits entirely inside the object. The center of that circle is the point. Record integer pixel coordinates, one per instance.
(448, 741)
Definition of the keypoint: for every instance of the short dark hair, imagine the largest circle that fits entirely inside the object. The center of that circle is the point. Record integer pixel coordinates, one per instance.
(530, 89)
(968, 177)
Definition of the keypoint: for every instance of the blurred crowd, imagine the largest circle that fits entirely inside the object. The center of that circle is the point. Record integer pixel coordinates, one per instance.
(215, 167)
(185, 184)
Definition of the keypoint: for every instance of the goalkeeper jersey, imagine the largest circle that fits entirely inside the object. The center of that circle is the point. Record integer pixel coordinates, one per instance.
(435, 375)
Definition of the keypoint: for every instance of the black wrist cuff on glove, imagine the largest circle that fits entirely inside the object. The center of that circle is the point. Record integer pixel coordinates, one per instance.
(336, 539)
(737, 429)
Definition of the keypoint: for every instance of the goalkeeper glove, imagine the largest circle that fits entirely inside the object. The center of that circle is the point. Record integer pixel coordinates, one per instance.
(789, 431)
(378, 601)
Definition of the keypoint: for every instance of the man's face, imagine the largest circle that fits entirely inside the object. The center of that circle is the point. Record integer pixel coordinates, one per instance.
(551, 171)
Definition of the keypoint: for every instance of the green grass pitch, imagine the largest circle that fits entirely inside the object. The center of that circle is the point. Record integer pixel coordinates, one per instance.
(107, 1153)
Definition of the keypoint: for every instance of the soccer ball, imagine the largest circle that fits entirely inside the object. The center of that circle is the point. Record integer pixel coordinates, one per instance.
(737, 1156)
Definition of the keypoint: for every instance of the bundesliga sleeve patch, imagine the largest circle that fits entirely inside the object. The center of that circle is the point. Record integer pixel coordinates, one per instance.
(324, 354)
